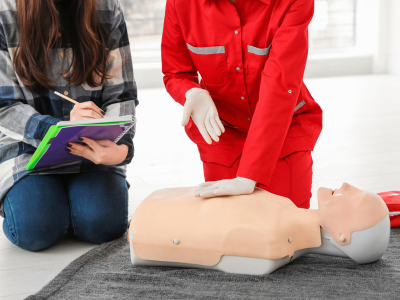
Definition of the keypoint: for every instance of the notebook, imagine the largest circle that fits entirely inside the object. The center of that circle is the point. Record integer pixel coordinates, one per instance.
(51, 151)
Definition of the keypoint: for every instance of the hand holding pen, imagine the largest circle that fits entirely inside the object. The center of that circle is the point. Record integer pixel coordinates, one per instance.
(84, 111)
(103, 152)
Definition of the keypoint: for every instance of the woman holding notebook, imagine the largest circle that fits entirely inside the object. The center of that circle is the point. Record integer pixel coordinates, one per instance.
(80, 49)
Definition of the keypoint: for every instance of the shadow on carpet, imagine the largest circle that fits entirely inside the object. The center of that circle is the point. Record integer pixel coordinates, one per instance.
(106, 273)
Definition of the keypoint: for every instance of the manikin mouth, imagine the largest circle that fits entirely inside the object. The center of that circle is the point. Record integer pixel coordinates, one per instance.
(336, 192)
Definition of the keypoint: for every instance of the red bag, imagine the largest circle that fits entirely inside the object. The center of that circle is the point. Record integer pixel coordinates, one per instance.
(392, 200)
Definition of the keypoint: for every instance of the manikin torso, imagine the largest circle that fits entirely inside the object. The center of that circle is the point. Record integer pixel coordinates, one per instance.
(255, 234)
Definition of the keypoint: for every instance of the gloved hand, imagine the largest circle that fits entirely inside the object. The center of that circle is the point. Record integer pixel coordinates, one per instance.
(201, 108)
(226, 187)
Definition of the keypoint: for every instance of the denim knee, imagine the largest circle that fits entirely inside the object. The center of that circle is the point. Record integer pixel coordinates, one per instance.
(99, 206)
(38, 237)
(32, 231)
(99, 229)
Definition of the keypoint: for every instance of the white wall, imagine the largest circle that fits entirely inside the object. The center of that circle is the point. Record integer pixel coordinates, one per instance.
(385, 35)
(377, 44)
(393, 63)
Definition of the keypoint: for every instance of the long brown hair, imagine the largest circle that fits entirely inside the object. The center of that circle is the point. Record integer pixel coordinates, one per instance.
(39, 25)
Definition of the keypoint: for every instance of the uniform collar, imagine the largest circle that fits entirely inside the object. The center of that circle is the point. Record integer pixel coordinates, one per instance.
(265, 1)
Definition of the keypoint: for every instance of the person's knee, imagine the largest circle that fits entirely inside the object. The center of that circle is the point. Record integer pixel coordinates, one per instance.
(36, 212)
(38, 243)
(35, 234)
(100, 214)
(98, 229)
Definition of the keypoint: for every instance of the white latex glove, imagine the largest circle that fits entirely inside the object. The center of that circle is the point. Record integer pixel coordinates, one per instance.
(200, 106)
(226, 187)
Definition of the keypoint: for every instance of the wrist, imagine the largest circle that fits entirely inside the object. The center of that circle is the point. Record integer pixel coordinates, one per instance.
(124, 149)
(248, 181)
(195, 91)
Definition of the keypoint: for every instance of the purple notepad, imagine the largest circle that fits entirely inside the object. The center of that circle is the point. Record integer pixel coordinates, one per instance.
(56, 155)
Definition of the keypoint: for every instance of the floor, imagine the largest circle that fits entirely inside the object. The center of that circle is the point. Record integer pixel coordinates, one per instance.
(360, 144)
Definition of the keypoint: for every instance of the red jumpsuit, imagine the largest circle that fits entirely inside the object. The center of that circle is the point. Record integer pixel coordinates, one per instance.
(251, 57)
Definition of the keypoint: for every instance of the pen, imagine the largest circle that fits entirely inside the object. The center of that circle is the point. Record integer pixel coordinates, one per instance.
(66, 98)
(70, 100)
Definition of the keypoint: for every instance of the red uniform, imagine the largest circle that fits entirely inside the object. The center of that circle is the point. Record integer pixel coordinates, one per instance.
(251, 57)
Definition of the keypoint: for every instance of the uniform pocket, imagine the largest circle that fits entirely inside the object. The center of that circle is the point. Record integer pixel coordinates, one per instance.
(211, 64)
(256, 59)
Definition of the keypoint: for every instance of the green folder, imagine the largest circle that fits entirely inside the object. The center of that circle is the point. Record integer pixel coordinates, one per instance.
(125, 122)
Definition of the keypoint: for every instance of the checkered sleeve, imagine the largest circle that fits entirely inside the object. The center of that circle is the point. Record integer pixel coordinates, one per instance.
(120, 92)
(18, 120)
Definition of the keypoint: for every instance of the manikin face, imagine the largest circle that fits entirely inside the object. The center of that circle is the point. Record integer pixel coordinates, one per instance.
(349, 209)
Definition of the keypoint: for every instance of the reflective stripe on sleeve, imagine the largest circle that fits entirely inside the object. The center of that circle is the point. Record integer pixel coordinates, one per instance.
(298, 106)
(258, 51)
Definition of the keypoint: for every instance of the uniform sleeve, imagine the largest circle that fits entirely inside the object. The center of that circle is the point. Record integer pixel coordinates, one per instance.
(280, 86)
(180, 74)
(120, 92)
(18, 120)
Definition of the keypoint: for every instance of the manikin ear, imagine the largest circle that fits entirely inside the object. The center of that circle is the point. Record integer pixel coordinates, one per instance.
(367, 245)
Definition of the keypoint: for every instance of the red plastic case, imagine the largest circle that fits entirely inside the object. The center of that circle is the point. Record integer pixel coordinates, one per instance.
(392, 200)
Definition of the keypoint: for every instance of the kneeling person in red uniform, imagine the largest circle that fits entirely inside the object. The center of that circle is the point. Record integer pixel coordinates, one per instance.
(251, 115)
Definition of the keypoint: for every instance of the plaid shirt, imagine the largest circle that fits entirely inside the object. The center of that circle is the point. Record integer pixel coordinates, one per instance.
(25, 116)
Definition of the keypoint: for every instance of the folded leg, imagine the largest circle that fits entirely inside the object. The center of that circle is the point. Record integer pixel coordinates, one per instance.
(99, 205)
(37, 212)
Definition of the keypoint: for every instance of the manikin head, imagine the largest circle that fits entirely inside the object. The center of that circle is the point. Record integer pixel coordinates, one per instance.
(357, 221)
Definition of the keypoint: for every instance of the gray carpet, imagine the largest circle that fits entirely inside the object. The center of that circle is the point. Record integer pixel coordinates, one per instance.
(106, 273)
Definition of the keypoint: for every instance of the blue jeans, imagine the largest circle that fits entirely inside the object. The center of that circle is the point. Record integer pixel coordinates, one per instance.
(41, 209)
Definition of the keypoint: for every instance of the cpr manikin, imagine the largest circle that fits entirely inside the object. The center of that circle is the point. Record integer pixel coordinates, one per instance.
(258, 233)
